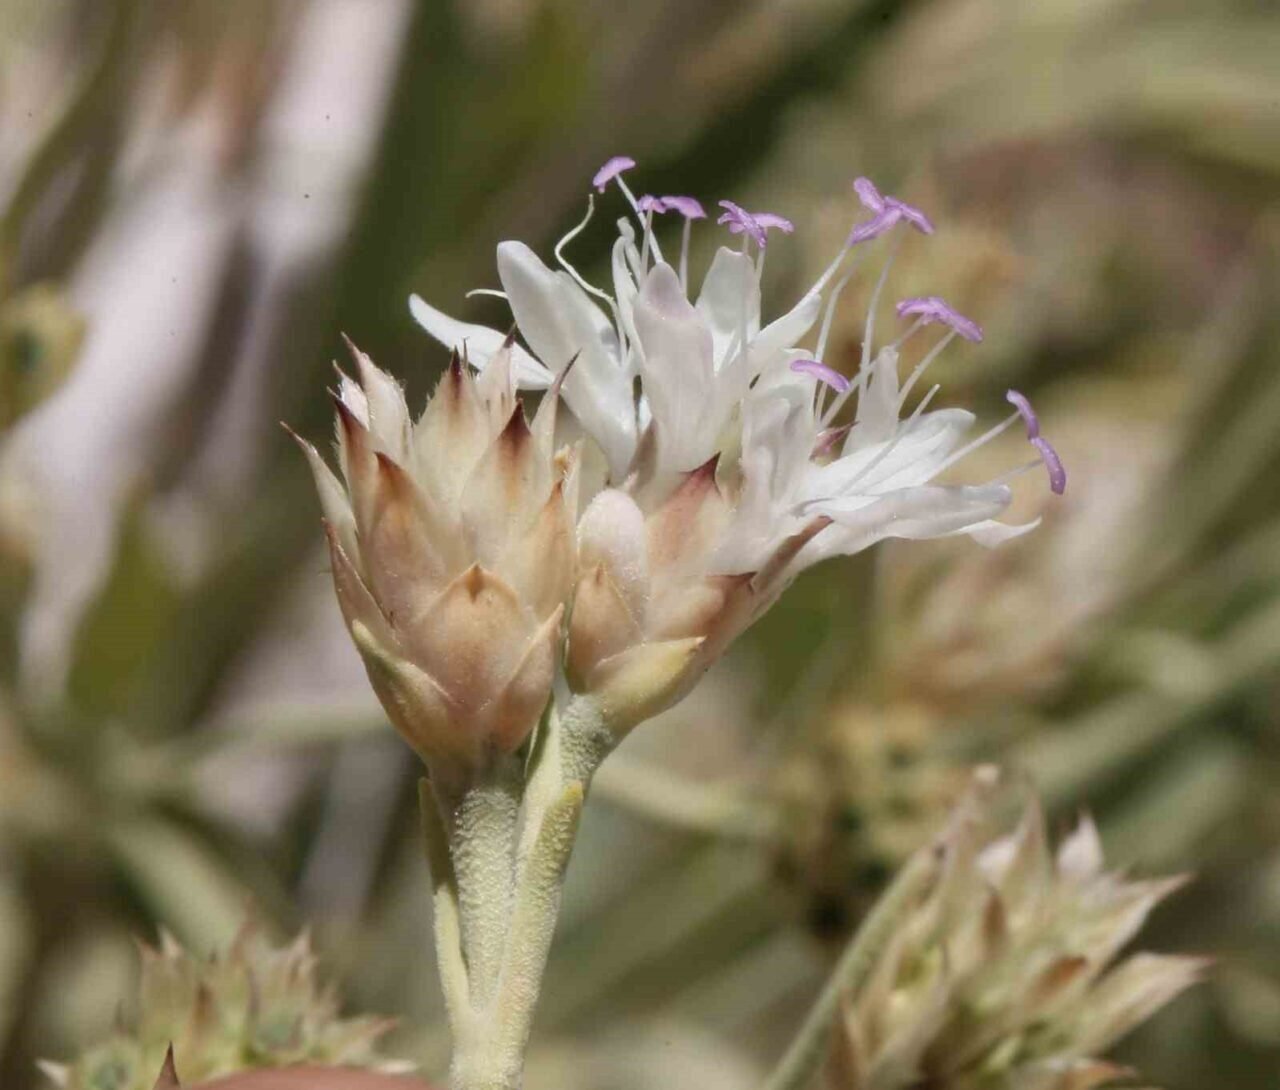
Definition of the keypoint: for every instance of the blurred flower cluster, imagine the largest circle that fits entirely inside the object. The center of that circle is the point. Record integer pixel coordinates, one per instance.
(1006, 975)
(254, 1006)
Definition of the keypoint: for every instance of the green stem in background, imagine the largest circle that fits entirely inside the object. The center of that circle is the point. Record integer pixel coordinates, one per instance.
(804, 1057)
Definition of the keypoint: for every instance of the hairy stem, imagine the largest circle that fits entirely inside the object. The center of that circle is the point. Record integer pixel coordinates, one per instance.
(482, 823)
(519, 919)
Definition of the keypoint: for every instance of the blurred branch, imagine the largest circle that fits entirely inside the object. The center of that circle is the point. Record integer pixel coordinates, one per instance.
(63, 139)
(668, 798)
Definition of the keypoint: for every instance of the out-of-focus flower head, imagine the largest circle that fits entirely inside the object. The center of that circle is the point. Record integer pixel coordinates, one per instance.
(1008, 974)
(257, 1006)
(854, 803)
(745, 458)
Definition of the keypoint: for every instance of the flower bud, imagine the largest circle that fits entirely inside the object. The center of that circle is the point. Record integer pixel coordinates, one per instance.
(452, 552)
(613, 592)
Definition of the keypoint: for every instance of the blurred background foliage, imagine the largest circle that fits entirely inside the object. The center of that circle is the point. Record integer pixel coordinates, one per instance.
(198, 196)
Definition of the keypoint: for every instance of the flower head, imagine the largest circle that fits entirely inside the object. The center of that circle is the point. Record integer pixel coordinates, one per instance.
(1008, 974)
(451, 543)
(256, 1006)
(736, 457)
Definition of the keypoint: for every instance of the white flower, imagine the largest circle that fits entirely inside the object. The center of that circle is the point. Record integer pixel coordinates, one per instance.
(744, 457)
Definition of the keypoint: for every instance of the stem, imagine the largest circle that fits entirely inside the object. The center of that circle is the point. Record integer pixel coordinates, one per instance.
(490, 1042)
(805, 1055)
(489, 1048)
(482, 834)
(445, 909)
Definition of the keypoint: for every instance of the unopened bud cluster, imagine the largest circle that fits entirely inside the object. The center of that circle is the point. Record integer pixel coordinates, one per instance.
(258, 1006)
(453, 555)
(1008, 976)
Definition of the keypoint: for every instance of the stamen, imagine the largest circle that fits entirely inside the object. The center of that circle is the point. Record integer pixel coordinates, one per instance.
(771, 221)
(1018, 471)
(487, 291)
(860, 379)
(578, 278)
(868, 194)
(930, 308)
(740, 221)
(648, 233)
(878, 225)
(690, 208)
(635, 207)
(831, 269)
(1057, 471)
(892, 445)
(611, 170)
(825, 331)
(824, 374)
(1020, 402)
(911, 214)
(564, 263)
(912, 330)
(982, 440)
(870, 326)
(685, 232)
(886, 213)
(921, 367)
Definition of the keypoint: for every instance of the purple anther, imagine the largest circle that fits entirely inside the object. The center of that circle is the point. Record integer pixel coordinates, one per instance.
(888, 211)
(930, 309)
(876, 226)
(822, 373)
(868, 194)
(1057, 472)
(611, 170)
(770, 220)
(1020, 402)
(689, 207)
(650, 203)
(911, 214)
(740, 220)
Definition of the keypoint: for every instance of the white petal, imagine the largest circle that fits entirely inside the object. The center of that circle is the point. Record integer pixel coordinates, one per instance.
(786, 331)
(560, 322)
(729, 298)
(678, 373)
(992, 534)
(624, 293)
(878, 405)
(914, 513)
(480, 343)
(911, 457)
